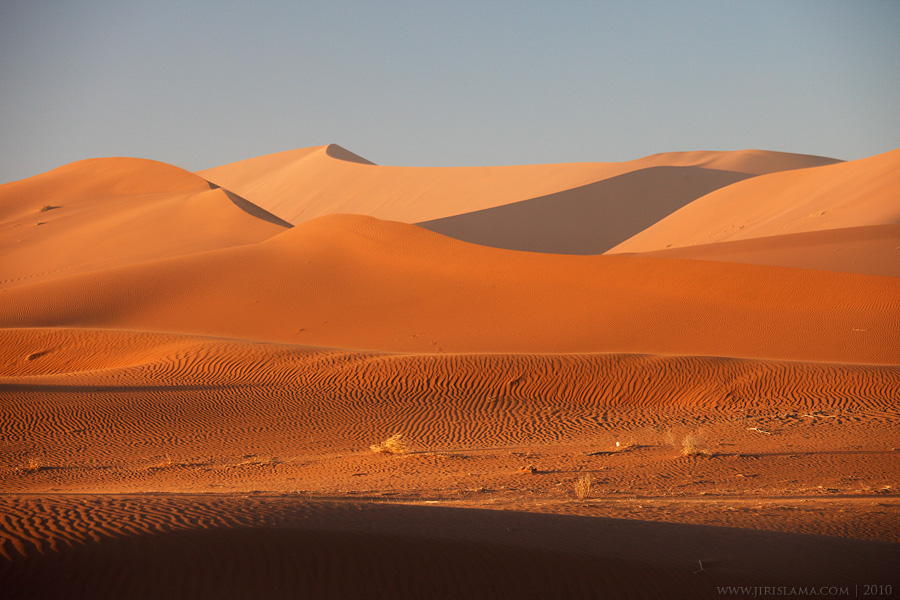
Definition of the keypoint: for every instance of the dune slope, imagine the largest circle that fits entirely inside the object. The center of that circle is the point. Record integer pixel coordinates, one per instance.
(358, 282)
(853, 194)
(589, 219)
(99, 213)
(288, 548)
(872, 250)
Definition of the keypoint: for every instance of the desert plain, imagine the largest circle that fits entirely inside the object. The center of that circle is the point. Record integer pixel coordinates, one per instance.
(305, 375)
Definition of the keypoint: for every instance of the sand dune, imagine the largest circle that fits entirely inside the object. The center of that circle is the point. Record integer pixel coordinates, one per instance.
(854, 194)
(357, 282)
(100, 410)
(873, 250)
(589, 219)
(191, 388)
(300, 185)
(287, 548)
(100, 213)
(752, 162)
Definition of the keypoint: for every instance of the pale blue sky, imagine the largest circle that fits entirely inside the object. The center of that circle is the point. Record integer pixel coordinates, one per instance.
(421, 83)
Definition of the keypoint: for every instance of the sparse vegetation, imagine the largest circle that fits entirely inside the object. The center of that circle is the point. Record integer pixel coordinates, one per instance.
(626, 446)
(695, 443)
(583, 486)
(31, 465)
(670, 438)
(45, 208)
(396, 444)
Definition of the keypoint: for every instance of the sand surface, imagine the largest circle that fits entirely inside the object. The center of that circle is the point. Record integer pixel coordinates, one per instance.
(190, 386)
(358, 282)
(871, 250)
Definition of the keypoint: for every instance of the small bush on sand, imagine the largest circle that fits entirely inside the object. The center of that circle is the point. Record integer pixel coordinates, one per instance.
(393, 445)
(695, 443)
(670, 438)
(583, 486)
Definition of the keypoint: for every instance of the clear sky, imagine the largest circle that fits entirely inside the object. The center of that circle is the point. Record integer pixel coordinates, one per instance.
(435, 83)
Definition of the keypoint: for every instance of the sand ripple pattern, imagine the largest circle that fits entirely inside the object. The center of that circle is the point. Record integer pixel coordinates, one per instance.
(284, 547)
(72, 402)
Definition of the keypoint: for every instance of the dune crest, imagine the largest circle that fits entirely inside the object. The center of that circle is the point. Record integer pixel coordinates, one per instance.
(751, 162)
(358, 282)
(589, 219)
(340, 153)
(300, 185)
(852, 194)
(106, 212)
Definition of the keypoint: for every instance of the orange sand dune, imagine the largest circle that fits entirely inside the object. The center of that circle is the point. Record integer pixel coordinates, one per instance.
(873, 250)
(357, 282)
(589, 219)
(853, 194)
(104, 212)
(752, 162)
(99, 410)
(657, 410)
(303, 184)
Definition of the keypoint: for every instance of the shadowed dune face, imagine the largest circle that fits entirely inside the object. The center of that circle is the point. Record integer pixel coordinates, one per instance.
(101, 213)
(357, 282)
(288, 548)
(300, 185)
(854, 194)
(589, 219)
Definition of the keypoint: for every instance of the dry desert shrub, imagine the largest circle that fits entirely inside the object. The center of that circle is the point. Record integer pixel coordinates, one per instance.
(583, 486)
(626, 446)
(695, 443)
(670, 438)
(30, 466)
(393, 445)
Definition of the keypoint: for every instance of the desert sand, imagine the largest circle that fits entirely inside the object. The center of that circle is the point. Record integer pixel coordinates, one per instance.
(197, 370)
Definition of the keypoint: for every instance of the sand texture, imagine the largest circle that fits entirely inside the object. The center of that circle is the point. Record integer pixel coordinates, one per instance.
(200, 374)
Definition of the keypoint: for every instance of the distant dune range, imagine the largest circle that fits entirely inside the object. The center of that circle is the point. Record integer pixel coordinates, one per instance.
(194, 368)
(589, 219)
(357, 282)
(304, 184)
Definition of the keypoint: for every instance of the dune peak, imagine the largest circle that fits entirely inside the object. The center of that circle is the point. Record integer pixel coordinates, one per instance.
(341, 153)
